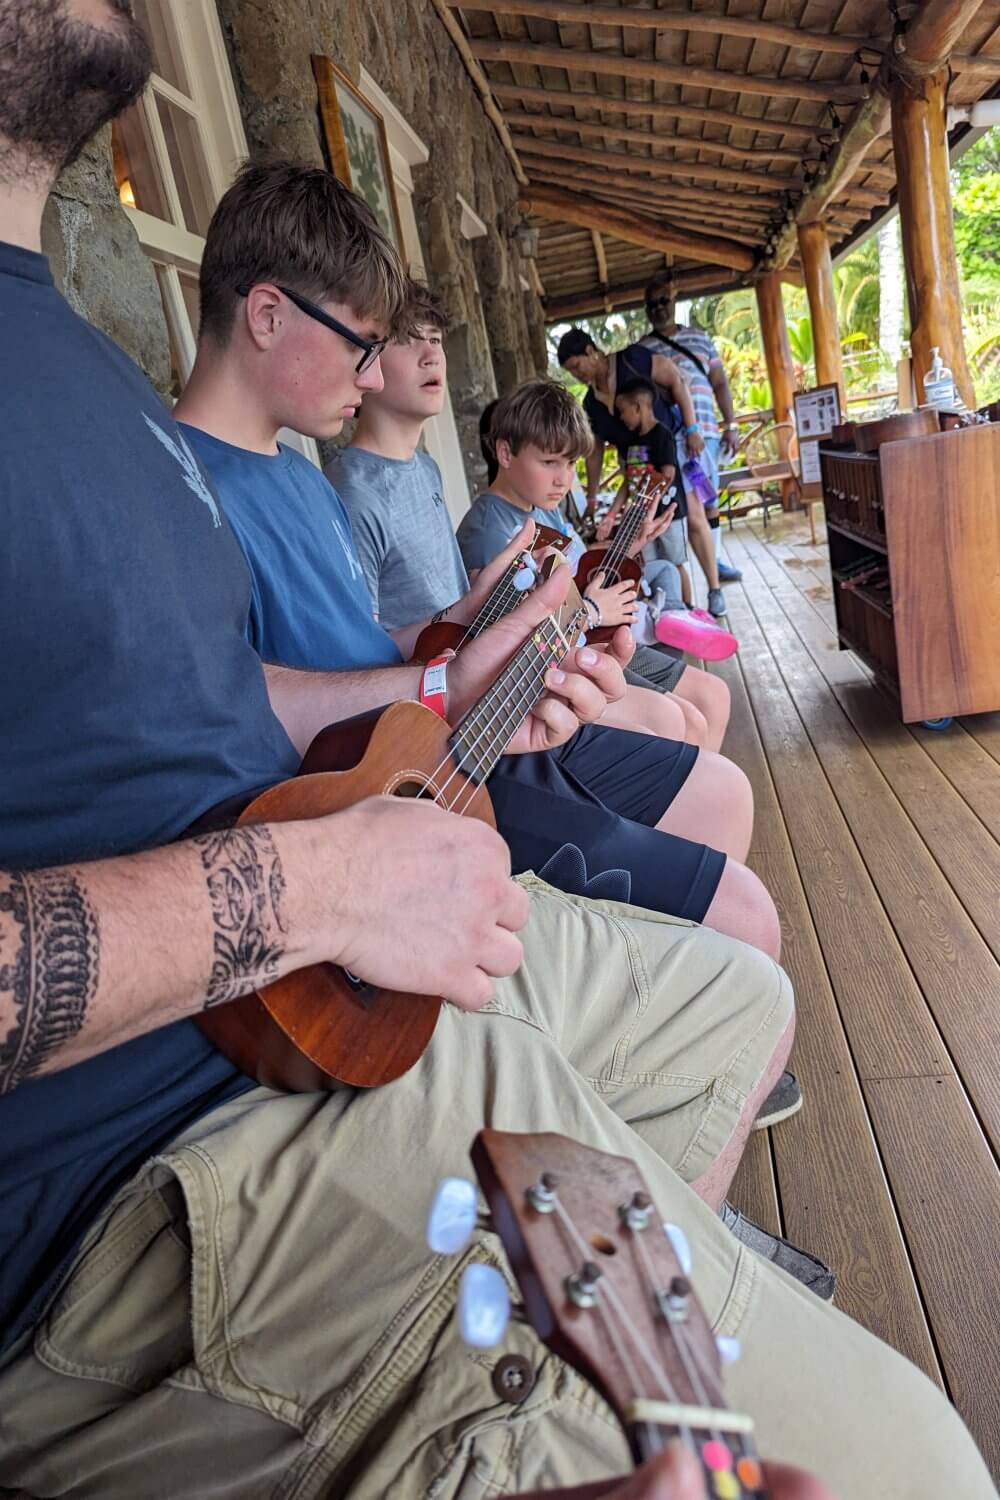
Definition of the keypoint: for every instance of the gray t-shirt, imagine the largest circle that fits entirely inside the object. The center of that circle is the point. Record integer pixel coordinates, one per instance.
(491, 522)
(402, 533)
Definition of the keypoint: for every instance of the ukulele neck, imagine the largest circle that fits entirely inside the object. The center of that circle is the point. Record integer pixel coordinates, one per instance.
(482, 737)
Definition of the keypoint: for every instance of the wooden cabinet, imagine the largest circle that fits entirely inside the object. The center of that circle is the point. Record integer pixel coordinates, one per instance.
(914, 533)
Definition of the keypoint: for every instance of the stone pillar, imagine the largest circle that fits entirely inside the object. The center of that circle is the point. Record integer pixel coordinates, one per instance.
(814, 246)
(99, 264)
(920, 145)
(780, 371)
(270, 49)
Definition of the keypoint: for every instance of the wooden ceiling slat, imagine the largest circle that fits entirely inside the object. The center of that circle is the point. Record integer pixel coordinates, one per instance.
(581, 209)
(654, 166)
(626, 67)
(733, 207)
(653, 109)
(532, 119)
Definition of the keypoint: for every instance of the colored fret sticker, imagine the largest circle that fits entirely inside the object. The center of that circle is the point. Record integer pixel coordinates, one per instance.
(726, 1486)
(750, 1473)
(717, 1457)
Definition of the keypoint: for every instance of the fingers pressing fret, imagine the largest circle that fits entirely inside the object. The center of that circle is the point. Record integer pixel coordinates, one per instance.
(246, 885)
(49, 960)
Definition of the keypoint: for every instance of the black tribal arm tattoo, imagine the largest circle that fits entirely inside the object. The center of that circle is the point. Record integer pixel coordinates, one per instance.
(247, 889)
(71, 985)
(49, 964)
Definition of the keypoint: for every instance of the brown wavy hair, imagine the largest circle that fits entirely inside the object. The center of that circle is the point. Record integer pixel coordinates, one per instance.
(545, 413)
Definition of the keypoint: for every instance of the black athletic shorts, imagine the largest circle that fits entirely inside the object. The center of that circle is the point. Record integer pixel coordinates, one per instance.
(584, 818)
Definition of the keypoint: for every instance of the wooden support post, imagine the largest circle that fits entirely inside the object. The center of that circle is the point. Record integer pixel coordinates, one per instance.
(814, 246)
(921, 151)
(780, 371)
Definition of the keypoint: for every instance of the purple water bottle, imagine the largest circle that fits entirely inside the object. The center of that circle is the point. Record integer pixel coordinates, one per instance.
(698, 483)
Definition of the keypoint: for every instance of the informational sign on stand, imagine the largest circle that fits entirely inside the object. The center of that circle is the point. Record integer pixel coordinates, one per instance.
(817, 413)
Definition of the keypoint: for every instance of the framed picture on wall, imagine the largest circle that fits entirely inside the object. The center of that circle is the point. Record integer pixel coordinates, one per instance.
(356, 144)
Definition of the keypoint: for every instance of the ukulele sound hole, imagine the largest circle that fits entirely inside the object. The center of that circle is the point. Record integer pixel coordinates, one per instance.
(603, 1245)
(412, 789)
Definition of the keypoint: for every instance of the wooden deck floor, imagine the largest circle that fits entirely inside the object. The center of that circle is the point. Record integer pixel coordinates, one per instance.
(879, 844)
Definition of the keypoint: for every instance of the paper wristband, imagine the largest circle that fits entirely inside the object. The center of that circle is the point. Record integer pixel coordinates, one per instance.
(434, 685)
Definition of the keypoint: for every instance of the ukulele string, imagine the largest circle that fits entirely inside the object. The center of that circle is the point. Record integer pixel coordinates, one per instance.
(497, 605)
(515, 706)
(519, 703)
(628, 530)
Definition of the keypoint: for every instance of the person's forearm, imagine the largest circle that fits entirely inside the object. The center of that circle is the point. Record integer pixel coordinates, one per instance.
(682, 396)
(723, 397)
(595, 462)
(96, 954)
(307, 702)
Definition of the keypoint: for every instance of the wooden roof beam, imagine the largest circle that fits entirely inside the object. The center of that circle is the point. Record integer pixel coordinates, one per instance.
(661, 194)
(730, 222)
(924, 46)
(599, 256)
(687, 283)
(493, 112)
(575, 59)
(520, 119)
(655, 110)
(656, 166)
(711, 23)
(634, 228)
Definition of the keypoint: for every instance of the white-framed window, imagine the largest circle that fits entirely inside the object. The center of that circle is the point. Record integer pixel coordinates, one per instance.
(406, 151)
(175, 153)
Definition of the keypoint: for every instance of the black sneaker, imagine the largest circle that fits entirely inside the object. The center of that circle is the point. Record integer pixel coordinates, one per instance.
(784, 1100)
(812, 1273)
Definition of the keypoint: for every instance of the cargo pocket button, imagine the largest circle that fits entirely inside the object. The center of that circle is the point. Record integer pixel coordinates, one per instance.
(513, 1378)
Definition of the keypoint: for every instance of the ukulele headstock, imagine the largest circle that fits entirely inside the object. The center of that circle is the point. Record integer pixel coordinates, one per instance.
(603, 1287)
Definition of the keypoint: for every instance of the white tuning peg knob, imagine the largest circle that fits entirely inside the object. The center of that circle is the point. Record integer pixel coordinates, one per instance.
(452, 1217)
(527, 576)
(681, 1248)
(483, 1306)
(729, 1349)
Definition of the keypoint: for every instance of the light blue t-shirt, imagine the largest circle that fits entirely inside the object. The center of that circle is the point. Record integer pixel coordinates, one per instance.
(491, 523)
(402, 533)
(309, 603)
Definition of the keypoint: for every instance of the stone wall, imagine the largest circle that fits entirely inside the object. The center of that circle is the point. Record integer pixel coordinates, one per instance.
(497, 335)
(99, 264)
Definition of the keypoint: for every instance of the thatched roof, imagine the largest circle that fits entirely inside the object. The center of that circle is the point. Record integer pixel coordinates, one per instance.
(706, 127)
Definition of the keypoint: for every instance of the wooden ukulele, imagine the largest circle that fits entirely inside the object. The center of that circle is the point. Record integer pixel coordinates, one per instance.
(604, 1289)
(614, 561)
(323, 1025)
(505, 595)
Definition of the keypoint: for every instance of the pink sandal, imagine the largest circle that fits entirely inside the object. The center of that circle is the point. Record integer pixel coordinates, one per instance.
(695, 631)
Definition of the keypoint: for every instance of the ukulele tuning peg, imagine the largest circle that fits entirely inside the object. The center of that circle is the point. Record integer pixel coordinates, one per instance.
(679, 1241)
(453, 1216)
(729, 1349)
(483, 1306)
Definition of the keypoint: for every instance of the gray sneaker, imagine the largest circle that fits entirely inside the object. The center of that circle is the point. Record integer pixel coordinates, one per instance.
(798, 1263)
(784, 1100)
(716, 603)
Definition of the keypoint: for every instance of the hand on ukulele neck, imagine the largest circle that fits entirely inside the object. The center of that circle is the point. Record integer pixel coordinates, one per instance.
(579, 692)
(675, 1474)
(653, 526)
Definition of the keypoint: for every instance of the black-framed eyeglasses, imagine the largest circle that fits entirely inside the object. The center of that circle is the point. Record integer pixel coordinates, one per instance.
(372, 347)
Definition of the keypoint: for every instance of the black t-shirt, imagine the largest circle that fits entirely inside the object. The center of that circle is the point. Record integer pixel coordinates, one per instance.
(607, 425)
(130, 703)
(649, 453)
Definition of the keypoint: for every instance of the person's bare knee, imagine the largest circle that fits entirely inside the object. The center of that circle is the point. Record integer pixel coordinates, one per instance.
(711, 696)
(714, 807)
(696, 730)
(742, 908)
(646, 711)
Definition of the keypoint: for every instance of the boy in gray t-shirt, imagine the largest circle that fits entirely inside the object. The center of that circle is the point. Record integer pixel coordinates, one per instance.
(402, 531)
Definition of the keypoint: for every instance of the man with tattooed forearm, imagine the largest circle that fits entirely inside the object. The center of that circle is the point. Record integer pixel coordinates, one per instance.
(207, 1287)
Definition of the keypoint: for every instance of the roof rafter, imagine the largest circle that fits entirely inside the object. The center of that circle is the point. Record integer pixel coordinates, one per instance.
(636, 229)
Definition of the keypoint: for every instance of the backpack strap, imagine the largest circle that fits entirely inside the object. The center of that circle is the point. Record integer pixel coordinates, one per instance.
(675, 344)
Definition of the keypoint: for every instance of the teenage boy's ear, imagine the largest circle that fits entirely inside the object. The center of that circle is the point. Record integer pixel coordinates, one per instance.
(265, 314)
(504, 452)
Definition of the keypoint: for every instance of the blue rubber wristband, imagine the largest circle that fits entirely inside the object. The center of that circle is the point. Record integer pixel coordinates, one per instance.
(695, 428)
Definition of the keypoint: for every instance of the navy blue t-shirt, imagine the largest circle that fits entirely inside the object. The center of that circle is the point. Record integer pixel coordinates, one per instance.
(310, 606)
(131, 702)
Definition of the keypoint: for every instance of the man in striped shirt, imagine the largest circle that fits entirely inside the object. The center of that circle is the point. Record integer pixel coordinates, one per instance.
(699, 362)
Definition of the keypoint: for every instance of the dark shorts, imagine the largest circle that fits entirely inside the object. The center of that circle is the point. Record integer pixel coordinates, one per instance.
(583, 817)
(651, 668)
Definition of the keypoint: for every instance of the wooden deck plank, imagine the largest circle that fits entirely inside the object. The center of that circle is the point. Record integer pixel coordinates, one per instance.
(833, 1194)
(949, 1201)
(969, 768)
(985, 730)
(958, 975)
(890, 1028)
(754, 1189)
(964, 849)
